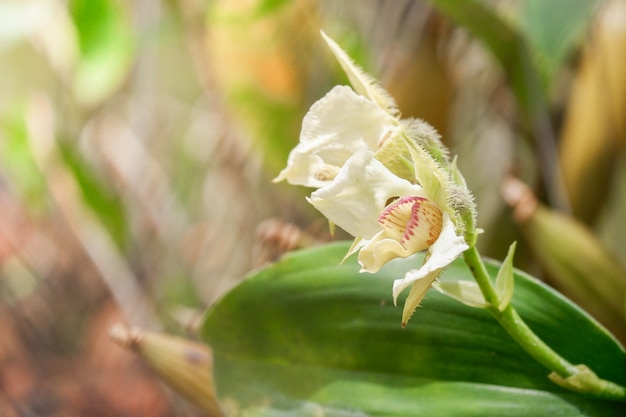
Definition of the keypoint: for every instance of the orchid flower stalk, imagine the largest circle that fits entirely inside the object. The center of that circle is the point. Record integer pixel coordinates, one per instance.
(389, 182)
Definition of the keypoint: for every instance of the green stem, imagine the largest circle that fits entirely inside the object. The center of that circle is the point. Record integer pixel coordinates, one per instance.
(531, 343)
(478, 269)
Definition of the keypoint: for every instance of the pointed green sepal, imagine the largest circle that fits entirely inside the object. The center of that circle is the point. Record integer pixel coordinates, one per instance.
(363, 83)
(505, 281)
(466, 292)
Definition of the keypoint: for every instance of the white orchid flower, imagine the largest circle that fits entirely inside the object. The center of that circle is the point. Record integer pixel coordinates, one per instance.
(335, 127)
(359, 194)
(380, 178)
(339, 124)
(390, 218)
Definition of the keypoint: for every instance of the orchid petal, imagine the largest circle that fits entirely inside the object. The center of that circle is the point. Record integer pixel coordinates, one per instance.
(379, 251)
(359, 193)
(336, 126)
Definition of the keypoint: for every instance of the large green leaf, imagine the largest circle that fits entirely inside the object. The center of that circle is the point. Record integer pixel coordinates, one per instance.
(537, 37)
(308, 336)
(553, 29)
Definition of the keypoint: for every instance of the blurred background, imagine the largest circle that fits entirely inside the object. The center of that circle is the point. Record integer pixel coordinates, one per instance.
(138, 141)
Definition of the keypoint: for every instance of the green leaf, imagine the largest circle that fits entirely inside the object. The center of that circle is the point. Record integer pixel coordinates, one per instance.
(17, 160)
(106, 44)
(98, 194)
(530, 45)
(553, 29)
(264, 7)
(308, 336)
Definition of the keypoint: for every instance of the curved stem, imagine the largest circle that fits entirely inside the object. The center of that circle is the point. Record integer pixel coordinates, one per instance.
(533, 345)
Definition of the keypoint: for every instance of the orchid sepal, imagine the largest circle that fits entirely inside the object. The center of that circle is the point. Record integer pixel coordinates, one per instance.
(442, 253)
(363, 83)
(505, 281)
(466, 292)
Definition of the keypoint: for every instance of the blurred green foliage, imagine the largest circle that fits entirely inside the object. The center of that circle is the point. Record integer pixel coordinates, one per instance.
(106, 42)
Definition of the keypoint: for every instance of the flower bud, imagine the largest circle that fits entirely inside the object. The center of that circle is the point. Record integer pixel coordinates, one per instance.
(578, 263)
(184, 365)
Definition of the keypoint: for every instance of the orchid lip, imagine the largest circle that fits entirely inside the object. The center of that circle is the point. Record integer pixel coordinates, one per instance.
(413, 221)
